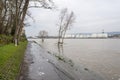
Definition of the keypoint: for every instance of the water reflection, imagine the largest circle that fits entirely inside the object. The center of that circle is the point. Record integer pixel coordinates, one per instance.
(60, 49)
(100, 55)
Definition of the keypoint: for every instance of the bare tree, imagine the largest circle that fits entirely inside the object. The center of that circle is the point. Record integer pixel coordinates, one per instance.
(61, 27)
(43, 34)
(13, 13)
(66, 20)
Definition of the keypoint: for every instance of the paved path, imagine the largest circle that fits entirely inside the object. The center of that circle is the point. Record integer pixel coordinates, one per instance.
(39, 65)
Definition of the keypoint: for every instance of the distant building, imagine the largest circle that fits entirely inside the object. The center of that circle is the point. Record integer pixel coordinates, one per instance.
(99, 35)
(68, 36)
(91, 35)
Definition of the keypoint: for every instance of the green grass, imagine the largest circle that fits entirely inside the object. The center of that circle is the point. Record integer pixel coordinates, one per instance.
(5, 39)
(10, 60)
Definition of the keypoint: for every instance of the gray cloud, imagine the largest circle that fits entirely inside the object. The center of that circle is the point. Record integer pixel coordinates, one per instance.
(91, 16)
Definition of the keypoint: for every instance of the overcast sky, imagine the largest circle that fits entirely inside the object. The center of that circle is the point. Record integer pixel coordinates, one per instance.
(91, 16)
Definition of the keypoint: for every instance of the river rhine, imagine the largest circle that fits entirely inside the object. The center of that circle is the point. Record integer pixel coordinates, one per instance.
(99, 55)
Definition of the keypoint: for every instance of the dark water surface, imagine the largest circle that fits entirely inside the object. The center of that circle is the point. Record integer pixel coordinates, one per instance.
(99, 55)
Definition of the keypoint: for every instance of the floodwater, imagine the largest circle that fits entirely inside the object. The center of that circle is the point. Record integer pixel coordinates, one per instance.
(99, 55)
(40, 64)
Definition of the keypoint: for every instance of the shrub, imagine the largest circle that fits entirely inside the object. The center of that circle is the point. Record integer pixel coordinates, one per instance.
(5, 39)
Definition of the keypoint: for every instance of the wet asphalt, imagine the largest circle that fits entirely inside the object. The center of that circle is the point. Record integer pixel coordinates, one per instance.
(40, 65)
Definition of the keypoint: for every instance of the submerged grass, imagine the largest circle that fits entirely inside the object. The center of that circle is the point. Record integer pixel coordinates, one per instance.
(10, 60)
(63, 58)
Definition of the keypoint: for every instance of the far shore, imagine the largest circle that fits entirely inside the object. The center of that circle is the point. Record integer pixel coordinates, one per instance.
(73, 38)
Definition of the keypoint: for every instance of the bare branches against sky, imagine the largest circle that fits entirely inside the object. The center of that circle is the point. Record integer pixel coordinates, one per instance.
(91, 16)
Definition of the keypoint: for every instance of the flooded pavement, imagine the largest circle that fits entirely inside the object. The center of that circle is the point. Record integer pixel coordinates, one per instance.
(102, 56)
(40, 64)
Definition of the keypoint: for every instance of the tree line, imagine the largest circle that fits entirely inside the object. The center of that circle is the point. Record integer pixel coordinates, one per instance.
(13, 14)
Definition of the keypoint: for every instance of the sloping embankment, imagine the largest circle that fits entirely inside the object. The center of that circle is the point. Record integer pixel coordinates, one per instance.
(42, 65)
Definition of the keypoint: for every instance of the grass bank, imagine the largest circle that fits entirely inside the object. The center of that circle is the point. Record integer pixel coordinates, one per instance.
(10, 60)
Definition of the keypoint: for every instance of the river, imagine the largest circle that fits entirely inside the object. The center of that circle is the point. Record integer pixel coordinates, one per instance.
(99, 55)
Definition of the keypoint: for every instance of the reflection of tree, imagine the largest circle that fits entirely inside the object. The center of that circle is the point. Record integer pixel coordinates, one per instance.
(60, 50)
